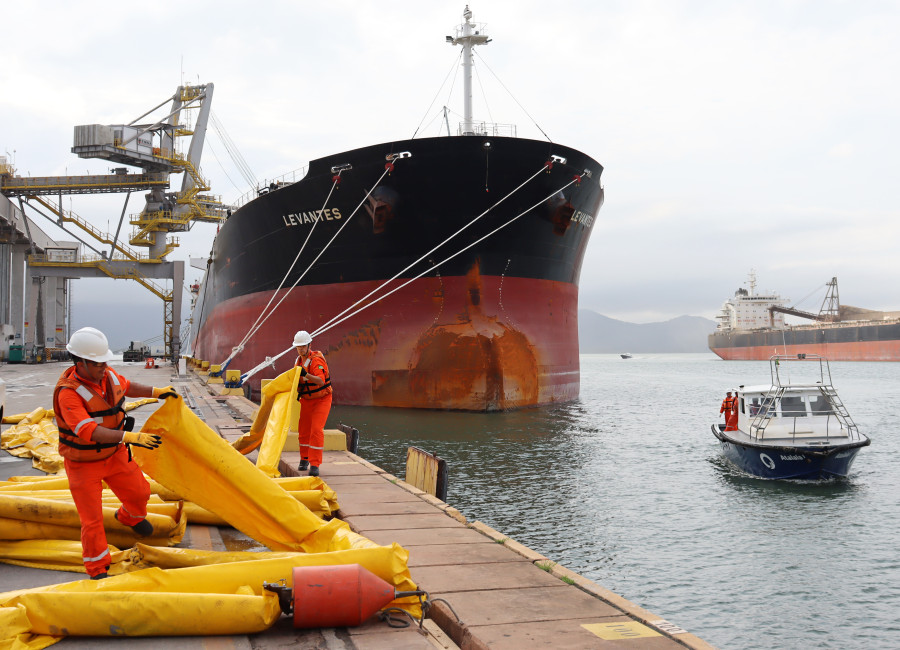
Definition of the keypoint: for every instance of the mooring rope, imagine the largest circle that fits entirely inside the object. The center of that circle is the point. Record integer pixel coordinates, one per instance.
(387, 169)
(323, 328)
(257, 324)
(459, 252)
(337, 320)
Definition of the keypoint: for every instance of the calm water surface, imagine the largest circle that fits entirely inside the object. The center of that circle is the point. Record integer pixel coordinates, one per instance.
(627, 487)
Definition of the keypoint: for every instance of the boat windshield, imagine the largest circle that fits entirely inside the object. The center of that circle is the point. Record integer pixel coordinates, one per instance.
(820, 405)
(793, 406)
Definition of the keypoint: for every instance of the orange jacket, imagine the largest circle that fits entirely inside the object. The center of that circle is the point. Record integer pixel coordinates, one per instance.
(728, 404)
(106, 411)
(316, 365)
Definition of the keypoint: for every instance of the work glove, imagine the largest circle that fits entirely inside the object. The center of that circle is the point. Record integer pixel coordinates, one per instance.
(145, 440)
(168, 391)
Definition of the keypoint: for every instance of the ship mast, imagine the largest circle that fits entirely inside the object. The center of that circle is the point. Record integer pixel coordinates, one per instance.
(468, 35)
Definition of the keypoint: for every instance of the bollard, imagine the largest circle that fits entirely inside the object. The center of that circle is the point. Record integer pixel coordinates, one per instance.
(232, 383)
(215, 374)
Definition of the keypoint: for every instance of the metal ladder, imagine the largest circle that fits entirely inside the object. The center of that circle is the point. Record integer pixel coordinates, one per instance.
(766, 411)
(840, 411)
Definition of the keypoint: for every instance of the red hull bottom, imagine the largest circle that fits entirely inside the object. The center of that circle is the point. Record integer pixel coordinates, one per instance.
(466, 343)
(851, 351)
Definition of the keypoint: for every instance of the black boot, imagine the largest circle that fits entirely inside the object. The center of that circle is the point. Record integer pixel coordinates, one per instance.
(313, 471)
(143, 528)
(303, 466)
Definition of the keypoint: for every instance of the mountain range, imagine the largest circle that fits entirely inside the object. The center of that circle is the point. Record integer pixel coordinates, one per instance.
(600, 334)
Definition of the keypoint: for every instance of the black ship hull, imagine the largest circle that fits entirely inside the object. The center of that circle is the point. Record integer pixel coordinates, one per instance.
(486, 321)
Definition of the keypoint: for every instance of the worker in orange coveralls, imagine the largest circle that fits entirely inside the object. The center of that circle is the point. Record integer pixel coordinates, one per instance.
(314, 392)
(93, 435)
(730, 409)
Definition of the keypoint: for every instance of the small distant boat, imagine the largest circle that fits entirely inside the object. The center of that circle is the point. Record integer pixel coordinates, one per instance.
(625, 355)
(792, 429)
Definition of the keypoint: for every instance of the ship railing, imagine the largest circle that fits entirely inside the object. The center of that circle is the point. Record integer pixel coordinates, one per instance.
(270, 185)
(488, 129)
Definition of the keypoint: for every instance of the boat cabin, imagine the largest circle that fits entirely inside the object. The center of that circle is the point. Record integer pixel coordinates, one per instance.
(810, 411)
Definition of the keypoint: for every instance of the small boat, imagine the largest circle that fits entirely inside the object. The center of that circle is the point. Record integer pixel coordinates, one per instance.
(792, 428)
(625, 355)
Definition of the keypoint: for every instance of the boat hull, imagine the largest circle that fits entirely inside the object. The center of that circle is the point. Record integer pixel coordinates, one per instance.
(488, 321)
(838, 342)
(789, 462)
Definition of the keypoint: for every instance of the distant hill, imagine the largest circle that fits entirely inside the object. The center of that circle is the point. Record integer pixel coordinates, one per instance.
(599, 334)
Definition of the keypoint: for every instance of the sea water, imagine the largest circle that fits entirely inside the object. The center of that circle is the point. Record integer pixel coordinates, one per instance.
(627, 487)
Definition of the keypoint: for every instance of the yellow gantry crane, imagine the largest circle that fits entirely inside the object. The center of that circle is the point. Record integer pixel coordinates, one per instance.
(150, 146)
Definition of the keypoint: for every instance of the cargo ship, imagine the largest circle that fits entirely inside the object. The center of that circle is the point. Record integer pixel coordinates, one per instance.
(752, 326)
(433, 273)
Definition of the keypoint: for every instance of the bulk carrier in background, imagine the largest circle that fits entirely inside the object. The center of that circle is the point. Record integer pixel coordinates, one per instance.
(751, 326)
(453, 284)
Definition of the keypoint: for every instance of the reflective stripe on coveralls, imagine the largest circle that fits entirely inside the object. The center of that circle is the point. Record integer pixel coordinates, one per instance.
(105, 412)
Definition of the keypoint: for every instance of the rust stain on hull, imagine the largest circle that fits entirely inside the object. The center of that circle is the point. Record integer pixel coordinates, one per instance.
(475, 363)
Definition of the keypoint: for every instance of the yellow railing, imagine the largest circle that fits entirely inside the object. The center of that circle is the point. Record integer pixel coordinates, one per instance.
(88, 228)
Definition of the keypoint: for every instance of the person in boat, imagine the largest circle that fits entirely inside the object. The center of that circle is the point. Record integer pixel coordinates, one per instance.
(314, 392)
(94, 434)
(727, 405)
(729, 408)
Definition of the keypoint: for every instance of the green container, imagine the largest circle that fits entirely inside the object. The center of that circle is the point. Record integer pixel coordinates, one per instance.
(16, 354)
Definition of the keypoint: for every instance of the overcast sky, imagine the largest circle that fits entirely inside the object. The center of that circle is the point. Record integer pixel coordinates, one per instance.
(734, 135)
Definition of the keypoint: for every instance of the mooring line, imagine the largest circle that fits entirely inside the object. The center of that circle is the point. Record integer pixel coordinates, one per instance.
(387, 169)
(257, 324)
(326, 326)
(460, 252)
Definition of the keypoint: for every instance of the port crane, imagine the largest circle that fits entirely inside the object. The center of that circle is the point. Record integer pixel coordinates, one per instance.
(150, 144)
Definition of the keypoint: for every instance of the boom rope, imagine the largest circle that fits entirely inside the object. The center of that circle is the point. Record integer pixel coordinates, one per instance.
(235, 351)
(323, 328)
(459, 252)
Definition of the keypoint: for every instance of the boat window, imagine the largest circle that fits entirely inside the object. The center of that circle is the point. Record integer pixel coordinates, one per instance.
(754, 406)
(793, 406)
(743, 407)
(819, 404)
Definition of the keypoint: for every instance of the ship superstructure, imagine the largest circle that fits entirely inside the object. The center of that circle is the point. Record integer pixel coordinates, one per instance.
(748, 310)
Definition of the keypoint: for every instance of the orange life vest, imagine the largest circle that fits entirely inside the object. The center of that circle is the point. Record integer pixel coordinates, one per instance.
(305, 390)
(105, 412)
(728, 404)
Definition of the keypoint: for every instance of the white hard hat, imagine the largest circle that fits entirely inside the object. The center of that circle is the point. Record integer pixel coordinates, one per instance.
(90, 343)
(302, 338)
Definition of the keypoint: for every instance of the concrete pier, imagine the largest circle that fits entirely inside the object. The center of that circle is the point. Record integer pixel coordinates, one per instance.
(493, 591)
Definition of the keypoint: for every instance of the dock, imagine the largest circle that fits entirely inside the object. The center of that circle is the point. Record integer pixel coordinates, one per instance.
(489, 590)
